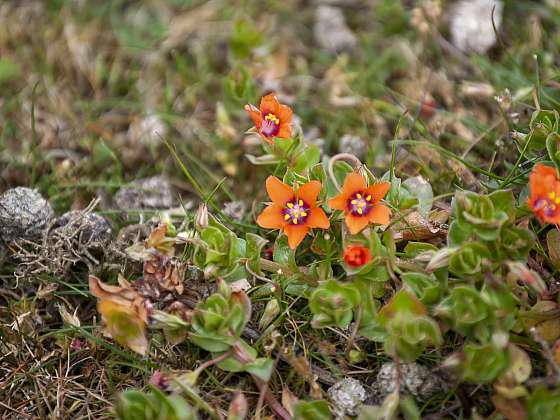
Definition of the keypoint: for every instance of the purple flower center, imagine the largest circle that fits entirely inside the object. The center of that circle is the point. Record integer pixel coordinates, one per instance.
(296, 212)
(270, 124)
(360, 204)
(546, 205)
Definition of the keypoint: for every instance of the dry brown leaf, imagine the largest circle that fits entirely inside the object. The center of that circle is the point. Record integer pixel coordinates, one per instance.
(124, 313)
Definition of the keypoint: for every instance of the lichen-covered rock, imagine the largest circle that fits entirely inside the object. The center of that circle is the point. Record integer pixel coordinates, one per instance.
(471, 26)
(148, 193)
(331, 31)
(148, 130)
(354, 145)
(347, 396)
(94, 229)
(24, 214)
(235, 209)
(415, 379)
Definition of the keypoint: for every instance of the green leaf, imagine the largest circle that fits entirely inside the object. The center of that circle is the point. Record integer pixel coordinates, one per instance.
(544, 404)
(283, 254)
(9, 70)
(483, 363)
(553, 148)
(312, 410)
(261, 368)
(244, 38)
(553, 244)
(309, 157)
(503, 200)
(469, 259)
(421, 190)
(425, 287)
(255, 244)
(332, 304)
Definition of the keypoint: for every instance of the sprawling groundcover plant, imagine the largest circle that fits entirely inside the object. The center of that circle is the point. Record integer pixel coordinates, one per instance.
(367, 255)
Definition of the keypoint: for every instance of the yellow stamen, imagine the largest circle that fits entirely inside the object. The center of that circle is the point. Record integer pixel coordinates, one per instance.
(273, 118)
(287, 217)
(295, 221)
(358, 195)
(362, 204)
(557, 200)
(300, 202)
(290, 205)
(552, 195)
(360, 211)
(368, 198)
(303, 214)
(354, 202)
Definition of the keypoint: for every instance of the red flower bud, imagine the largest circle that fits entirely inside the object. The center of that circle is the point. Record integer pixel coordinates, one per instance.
(356, 255)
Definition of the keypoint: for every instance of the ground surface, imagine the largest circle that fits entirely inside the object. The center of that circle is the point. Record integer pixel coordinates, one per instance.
(97, 95)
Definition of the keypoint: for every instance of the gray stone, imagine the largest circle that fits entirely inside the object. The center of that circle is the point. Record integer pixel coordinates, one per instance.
(347, 396)
(331, 32)
(354, 145)
(93, 228)
(235, 209)
(24, 214)
(415, 379)
(148, 193)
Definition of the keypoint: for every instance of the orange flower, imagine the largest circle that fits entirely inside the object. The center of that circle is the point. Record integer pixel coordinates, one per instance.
(544, 197)
(362, 204)
(356, 255)
(272, 119)
(293, 211)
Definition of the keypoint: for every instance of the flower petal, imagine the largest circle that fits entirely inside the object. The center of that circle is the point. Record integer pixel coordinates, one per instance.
(279, 192)
(308, 192)
(284, 131)
(380, 214)
(271, 217)
(354, 183)
(254, 114)
(339, 202)
(269, 103)
(295, 234)
(542, 180)
(356, 223)
(317, 219)
(378, 191)
(285, 114)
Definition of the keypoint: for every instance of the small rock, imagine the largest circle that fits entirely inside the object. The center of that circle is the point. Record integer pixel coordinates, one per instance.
(353, 145)
(471, 24)
(331, 31)
(235, 209)
(24, 214)
(148, 130)
(148, 193)
(347, 395)
(93, 228)
(416, 380)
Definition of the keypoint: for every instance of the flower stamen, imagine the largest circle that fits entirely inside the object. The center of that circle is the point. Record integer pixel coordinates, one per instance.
(359, 205)
(296, 212)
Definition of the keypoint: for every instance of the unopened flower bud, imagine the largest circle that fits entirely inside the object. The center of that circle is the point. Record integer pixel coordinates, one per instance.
(201, 219)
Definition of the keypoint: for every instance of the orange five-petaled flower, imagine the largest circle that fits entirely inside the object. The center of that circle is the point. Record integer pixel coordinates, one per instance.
(544, 197)
(362, 204)
(271, 119)
(293, 211)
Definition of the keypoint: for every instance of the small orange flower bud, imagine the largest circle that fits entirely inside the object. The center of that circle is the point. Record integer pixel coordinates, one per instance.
(356, 256)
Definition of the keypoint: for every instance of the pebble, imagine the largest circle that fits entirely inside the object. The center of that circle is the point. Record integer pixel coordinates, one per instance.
(24, 214)
(416, 380)
(347, 395)
(148, 193)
